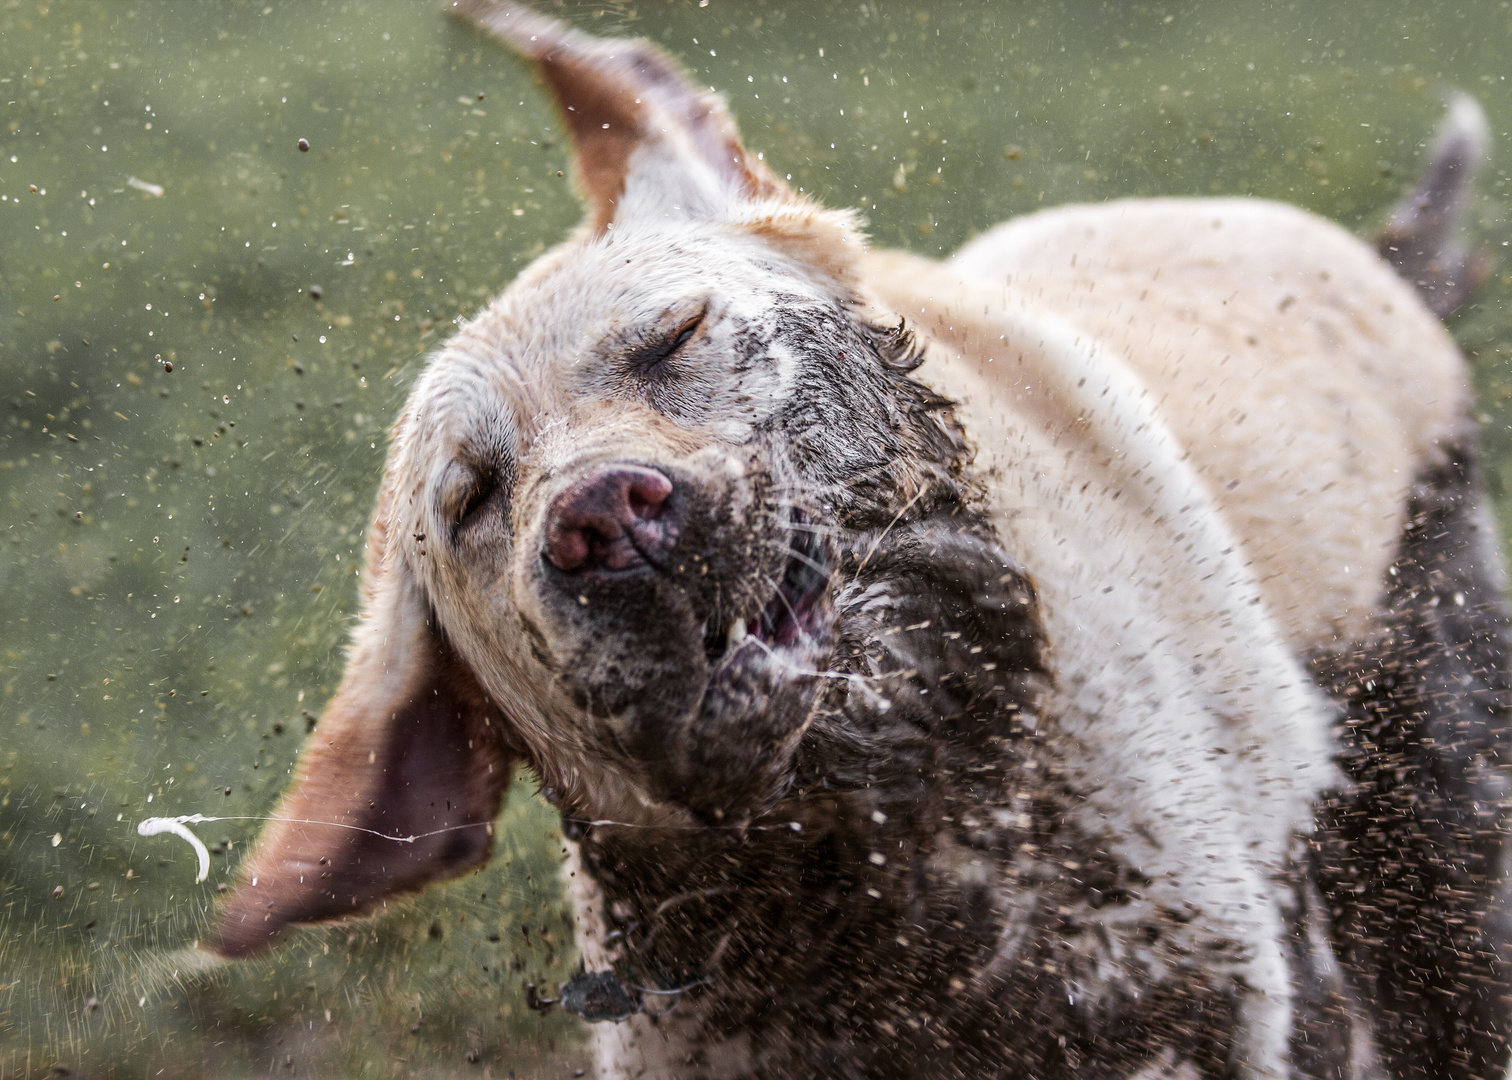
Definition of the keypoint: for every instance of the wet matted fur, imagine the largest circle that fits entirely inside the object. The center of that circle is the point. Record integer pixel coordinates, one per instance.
(1082, 657)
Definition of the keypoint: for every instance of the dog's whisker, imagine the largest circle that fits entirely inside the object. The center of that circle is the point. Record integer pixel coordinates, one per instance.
(804, 672)
(822, 494)
(876, 543)
(793, 553)
(816, 530)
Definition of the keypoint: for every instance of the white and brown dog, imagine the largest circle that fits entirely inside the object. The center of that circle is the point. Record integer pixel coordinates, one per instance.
(1085, 656)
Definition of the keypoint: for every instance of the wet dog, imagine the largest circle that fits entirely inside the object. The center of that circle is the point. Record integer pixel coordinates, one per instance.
(1082, 657)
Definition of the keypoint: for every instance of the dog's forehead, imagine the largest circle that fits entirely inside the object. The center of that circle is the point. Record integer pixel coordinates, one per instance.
(628, 279)
(515, 370)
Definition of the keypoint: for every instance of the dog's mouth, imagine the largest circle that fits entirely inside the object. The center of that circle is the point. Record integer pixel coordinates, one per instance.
(716, 733)
(795, 614)
(730, 758)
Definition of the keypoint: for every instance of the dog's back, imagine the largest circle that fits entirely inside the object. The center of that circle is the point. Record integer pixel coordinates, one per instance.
(1305, 380)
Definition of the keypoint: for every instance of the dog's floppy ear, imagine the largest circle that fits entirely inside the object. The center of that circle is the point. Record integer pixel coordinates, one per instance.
(408, 748)
(648, 143)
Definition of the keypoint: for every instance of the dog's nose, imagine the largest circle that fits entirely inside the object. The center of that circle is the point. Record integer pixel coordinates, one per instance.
(614, 519)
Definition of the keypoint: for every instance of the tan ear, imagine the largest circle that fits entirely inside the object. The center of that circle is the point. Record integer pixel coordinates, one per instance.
(647, 141)
(398, 785)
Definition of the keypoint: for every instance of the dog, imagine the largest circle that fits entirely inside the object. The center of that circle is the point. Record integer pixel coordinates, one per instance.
(1084, 656)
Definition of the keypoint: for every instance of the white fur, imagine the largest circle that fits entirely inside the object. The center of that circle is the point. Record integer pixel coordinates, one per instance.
(1199, 738)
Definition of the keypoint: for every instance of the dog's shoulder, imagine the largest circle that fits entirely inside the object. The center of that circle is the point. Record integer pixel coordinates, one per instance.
(1184, 712)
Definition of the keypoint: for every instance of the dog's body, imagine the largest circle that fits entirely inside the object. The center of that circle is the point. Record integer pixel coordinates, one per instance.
(1121, 691)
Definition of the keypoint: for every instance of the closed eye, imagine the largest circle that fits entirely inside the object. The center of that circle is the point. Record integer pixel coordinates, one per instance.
(476, 497)
(646, 359)
(471, 495)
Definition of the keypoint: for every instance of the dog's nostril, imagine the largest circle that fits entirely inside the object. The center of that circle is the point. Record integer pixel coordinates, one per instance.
(610, 520)
(648, 492)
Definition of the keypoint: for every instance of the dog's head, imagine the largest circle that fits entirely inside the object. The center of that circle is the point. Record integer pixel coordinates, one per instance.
(616, 512)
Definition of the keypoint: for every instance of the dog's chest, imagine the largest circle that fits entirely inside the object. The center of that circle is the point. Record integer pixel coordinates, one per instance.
(916, 913)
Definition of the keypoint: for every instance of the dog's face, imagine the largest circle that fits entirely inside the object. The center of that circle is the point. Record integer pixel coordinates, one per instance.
(617, 514)
(623, 481)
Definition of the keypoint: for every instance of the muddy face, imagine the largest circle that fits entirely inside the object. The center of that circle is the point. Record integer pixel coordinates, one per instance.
(681, 604)
(628, 510)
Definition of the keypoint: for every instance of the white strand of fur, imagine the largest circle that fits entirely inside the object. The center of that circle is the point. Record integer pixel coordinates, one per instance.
(154, 825)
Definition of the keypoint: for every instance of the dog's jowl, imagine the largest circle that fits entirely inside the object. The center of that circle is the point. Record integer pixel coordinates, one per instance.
(1085, 656)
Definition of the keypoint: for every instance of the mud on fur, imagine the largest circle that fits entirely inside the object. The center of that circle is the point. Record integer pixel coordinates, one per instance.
(934, 678)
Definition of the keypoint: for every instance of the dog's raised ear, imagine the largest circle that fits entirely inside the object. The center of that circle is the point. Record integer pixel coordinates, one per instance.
(649, 144)
(398, 785)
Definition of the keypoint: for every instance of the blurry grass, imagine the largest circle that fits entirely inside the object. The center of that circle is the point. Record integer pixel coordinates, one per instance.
(178, 550)
(106, 983)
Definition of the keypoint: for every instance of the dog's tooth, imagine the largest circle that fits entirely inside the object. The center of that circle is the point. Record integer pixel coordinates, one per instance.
(737, 633)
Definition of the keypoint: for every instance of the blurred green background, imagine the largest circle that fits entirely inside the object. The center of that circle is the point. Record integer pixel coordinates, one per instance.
(178, 550)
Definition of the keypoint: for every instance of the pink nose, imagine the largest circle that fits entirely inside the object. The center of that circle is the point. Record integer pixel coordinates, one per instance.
(614, 519)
